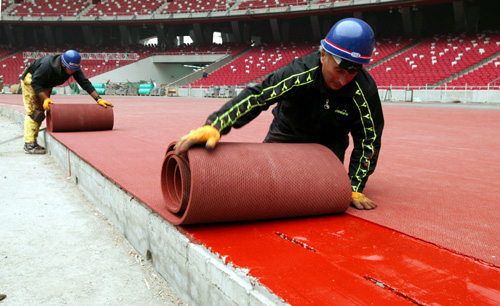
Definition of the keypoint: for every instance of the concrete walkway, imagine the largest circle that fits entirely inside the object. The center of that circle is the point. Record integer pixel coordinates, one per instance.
(55, 247)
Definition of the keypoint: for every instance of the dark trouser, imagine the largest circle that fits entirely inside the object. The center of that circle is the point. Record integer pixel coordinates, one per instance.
(279, 134)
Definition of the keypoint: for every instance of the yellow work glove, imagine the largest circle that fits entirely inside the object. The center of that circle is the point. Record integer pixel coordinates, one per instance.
(104, 103)
(46, 103)
(360, 201)
(206, 134)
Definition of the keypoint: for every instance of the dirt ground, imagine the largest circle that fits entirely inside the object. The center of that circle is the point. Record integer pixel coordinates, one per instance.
(55, 247)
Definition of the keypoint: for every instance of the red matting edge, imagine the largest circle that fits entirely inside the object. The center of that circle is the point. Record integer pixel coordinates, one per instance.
(344, 260)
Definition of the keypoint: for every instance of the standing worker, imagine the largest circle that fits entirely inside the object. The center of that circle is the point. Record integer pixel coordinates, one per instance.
(321, 98)
(37, 82)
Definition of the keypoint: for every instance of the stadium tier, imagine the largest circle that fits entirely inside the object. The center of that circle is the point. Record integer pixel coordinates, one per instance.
(254, 64)
(124, 7)
(407, 52)
(396, 61)
(437, 58)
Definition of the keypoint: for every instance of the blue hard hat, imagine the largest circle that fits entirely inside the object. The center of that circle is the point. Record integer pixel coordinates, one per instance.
(351, 39)
(71, 59)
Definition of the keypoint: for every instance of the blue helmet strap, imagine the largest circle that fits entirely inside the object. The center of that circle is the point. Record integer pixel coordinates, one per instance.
(347, 65)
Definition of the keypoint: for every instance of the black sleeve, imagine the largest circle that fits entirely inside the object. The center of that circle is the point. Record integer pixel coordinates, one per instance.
(83, 81)
(367, 135)
(41, 76)
(253, 100)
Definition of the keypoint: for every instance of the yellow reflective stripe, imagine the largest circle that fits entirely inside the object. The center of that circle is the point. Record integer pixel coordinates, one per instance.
(282, 88)
(370, 133)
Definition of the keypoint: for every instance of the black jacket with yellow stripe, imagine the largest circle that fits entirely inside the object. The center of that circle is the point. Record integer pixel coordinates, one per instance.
(311, 113)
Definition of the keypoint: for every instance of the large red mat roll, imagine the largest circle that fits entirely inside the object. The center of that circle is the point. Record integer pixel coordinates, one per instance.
(253, 181)
(79, 117)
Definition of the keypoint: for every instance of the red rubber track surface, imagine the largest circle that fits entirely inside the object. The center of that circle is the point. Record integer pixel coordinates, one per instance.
(434, 239)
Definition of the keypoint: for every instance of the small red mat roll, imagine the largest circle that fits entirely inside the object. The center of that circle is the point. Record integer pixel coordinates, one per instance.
(253, 181)
(79, 117)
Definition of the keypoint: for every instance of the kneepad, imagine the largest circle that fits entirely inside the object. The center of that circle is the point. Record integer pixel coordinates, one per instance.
(38, 116)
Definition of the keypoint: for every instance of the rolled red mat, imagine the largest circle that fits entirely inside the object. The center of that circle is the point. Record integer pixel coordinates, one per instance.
(253, 181)
(79, 117)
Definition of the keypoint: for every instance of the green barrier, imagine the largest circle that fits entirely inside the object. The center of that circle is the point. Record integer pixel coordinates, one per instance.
(146, 86)
(74, 88)
(99, 85)
(144, 91)
(100, 91)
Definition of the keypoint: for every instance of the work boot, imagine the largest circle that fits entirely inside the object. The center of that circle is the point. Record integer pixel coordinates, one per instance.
(34, 148)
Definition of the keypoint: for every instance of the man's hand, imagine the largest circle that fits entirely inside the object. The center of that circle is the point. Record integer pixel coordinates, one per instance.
(360, 201)
(206, 134)
(104, 103)
(46, 103)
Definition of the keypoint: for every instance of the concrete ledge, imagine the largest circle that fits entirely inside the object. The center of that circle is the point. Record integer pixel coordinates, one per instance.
(199, 276)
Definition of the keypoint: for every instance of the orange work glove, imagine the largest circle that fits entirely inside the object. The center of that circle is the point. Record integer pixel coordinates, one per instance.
(360, 201)
(206, 134)
(104, 103)
(46, 103)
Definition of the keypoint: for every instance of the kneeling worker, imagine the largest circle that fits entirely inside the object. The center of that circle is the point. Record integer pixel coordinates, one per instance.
(37, 82)
(321, 98)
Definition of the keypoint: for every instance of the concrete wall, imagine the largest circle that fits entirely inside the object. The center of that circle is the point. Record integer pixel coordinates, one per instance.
(144, 70)
(432, 95)
(162, 69)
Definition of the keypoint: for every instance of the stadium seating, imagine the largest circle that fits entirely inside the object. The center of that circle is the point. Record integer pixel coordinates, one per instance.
(385, 47)
(421, 63)
(264, 4)
(478, 78)
(435, 59)
(12, 67)
(329, 1)
(6, 51)
(253, 65)
(49, 8)
(124, 7)
(195, 6)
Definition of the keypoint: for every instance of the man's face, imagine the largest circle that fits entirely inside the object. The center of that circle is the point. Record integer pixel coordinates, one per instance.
(68, 71)
(335, 77)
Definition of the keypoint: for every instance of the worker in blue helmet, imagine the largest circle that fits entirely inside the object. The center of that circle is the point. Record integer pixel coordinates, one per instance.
(322, 97)
(37, 82)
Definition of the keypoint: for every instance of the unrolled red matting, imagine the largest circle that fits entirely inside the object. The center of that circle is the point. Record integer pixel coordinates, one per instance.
(253, 181)
(79, 117)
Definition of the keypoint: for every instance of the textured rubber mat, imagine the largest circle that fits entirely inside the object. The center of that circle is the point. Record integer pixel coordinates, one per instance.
(79, 117)
(253, 181)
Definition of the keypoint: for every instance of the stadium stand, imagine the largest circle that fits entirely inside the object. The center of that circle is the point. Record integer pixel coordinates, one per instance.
(421, 64)
(257, 4)
(256, 63)
(12, 67)
(385, 47)
(435, 59)
(195, 6)
(12, 62)
(124, 8)
(329, 1)
(49, 8)
(479, 78)
(6, 51)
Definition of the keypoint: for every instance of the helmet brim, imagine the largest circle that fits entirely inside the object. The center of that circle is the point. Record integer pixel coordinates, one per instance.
(345, 54)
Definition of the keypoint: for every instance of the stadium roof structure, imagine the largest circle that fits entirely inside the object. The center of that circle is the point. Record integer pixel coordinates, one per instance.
(255, 12)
